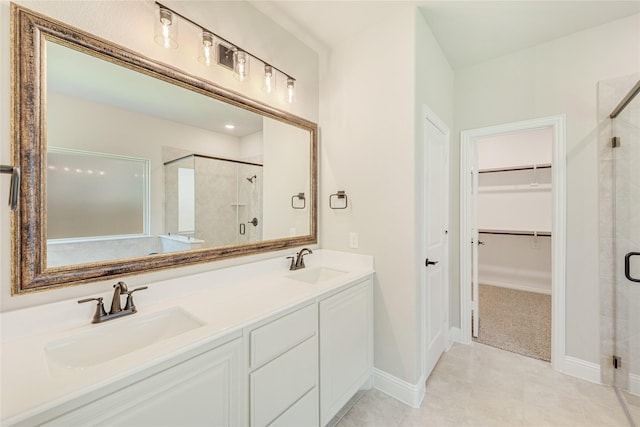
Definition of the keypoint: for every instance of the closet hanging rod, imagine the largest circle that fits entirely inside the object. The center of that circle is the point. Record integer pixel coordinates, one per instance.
(516, 233)
(516, 168)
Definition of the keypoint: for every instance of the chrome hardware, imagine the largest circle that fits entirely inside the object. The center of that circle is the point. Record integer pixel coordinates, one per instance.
(14, 190)
(297, 262)
(627, 266)
(116, 311)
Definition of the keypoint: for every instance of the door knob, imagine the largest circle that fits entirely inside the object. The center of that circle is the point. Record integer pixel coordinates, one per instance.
(427, 263)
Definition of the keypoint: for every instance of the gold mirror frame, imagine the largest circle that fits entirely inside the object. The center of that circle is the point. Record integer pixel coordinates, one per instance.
(29, 31)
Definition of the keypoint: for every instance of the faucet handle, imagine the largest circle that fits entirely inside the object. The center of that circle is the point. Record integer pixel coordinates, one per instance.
(293, 262)
(100, 311)
(129, 305)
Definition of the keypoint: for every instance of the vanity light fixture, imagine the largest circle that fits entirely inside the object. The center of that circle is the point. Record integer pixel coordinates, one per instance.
(228, 55)
(241, 65)
(269, 80)
(166, 34)
(291, 93)
(207, 48)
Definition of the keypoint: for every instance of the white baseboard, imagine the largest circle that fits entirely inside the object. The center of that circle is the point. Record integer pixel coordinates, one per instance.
(455, 335)
(516, 287)
(411, 394)
(581, 369)
(634, 384)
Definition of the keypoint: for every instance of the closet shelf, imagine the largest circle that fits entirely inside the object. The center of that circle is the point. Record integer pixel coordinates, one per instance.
(518, 188)
(516, 168)
(515, 232)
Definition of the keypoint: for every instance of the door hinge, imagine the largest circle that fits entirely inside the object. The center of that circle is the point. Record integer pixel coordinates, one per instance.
(615, 141)
(617, 361)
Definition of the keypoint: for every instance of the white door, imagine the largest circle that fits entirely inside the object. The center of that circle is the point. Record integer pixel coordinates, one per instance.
(435, 241)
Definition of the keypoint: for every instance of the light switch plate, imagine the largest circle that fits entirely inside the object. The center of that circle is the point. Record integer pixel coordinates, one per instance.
(353, 240)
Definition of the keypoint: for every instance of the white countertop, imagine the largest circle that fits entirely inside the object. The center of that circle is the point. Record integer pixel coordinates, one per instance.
(224, 300)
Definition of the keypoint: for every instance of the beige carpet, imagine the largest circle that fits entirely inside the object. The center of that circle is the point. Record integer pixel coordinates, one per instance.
(516, 321)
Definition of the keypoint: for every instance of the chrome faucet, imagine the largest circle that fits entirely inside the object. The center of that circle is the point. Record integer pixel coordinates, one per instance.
(116, 309)
(297, 262)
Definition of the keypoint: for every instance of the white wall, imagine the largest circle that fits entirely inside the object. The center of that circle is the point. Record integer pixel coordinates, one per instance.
(371, 134)
(131, 24)
(558, 77)
(516, 149)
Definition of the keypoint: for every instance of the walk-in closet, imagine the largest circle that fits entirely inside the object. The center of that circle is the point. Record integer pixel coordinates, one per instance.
(514, 206)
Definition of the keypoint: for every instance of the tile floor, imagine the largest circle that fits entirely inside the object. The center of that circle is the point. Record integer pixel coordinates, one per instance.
(478, 385)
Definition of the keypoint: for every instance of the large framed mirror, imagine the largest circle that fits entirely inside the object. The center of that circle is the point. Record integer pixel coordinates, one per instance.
(130, 166)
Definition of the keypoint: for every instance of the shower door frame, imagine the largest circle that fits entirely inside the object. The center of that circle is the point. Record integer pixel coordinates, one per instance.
(467, 140)
(621, 379)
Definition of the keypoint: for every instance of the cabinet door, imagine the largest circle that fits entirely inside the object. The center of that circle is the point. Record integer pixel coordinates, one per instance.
(204, 390)
(345, 347)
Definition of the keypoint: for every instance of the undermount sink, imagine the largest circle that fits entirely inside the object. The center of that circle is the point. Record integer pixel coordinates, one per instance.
(316, 275)
(106, 342)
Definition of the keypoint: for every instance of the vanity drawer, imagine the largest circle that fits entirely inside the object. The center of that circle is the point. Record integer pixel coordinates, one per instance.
(304, 413)
(279, 384)
(274, 338)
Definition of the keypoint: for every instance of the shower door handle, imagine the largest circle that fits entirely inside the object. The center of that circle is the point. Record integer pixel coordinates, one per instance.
(627, 266)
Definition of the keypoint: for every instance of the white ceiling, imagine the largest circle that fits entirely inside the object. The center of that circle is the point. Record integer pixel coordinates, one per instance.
(469, 32)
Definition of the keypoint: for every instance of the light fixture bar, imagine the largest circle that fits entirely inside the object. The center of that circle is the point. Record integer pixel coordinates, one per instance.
(287, 75)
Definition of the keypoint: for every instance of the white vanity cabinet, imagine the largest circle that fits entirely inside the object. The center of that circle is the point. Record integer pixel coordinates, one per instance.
(203, 390)
(346, 346)
(283, 370)
(272, 351)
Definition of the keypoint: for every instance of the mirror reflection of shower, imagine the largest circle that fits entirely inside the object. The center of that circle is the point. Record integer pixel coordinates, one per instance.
(219, 205)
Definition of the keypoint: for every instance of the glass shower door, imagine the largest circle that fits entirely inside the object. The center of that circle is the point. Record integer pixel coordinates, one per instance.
(626, 200)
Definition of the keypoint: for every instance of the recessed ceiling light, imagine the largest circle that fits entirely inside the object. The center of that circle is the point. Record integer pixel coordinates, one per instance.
(230, 126)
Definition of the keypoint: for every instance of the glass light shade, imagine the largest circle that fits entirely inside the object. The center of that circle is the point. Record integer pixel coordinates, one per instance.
(166, 33)
(206, 52)
(290, 95)
(241, 66)
(269, 81)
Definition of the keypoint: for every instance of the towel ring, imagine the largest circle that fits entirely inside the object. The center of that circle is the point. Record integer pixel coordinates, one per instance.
(299, 196)
(338, 196)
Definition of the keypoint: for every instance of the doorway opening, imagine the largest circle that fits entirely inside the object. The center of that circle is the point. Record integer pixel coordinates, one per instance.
(512, 237)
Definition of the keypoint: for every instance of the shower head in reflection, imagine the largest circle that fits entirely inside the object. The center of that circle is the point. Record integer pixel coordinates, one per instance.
(250, 179)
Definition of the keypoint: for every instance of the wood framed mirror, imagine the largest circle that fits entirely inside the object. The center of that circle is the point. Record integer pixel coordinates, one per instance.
(127, 166)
